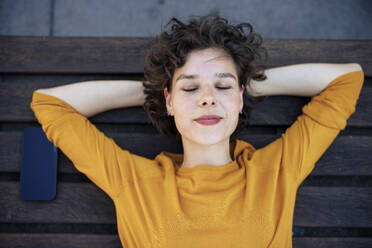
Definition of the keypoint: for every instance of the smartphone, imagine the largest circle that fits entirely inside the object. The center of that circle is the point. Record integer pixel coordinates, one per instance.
(39, 166)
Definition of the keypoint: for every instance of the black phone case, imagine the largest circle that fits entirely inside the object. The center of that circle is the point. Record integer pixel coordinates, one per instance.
(39, 166)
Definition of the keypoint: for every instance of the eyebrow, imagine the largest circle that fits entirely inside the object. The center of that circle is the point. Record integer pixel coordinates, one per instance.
(218, 74)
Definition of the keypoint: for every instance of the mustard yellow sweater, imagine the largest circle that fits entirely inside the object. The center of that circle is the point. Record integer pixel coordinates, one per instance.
(246, 203)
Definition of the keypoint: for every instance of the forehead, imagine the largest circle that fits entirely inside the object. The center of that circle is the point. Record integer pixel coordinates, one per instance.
(206, 63)
(208, 56)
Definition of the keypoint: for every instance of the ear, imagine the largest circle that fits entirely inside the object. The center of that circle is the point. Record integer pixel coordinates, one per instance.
(168, 102)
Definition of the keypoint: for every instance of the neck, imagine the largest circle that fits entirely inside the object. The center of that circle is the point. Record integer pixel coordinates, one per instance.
(205, 154)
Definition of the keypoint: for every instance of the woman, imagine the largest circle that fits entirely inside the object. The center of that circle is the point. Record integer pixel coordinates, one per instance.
(200, 82)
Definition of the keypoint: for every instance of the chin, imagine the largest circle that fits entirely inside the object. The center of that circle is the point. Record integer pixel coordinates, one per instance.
(207, 139)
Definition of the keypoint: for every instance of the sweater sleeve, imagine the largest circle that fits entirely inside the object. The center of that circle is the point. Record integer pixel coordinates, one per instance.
(322, 119)
(91, 152)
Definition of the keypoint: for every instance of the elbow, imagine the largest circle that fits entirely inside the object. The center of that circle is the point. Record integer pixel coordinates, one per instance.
(42, 90)
(356, 67)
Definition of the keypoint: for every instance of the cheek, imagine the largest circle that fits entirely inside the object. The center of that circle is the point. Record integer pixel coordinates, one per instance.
(233, 103)
(183, 112)
(179, 104)
(183, 104)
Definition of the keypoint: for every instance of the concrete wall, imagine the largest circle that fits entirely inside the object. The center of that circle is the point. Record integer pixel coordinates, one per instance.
(318, 19)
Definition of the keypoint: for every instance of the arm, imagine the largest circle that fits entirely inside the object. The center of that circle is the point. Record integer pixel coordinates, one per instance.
(299, 79)
(92, 97)
(89, 149)
(332, 103)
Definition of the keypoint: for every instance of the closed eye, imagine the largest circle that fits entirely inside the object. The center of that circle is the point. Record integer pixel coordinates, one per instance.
(221, 88)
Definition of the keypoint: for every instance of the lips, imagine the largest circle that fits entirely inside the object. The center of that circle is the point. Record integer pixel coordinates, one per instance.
(208, 119)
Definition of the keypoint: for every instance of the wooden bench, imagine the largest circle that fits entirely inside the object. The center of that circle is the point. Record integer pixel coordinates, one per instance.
(333, 205)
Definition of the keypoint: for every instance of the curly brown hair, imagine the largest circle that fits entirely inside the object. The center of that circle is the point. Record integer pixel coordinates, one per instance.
(169, 51)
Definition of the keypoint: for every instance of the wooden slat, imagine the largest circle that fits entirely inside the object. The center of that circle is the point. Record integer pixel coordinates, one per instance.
(46, 54)
(325, 242)
(86, 203)
(26, 240)
(74, 203)
(333, 206)
(276, 110)
(132, 141)
(347, 156)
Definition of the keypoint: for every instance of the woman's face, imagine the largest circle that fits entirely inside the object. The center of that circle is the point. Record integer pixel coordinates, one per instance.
(209, 94)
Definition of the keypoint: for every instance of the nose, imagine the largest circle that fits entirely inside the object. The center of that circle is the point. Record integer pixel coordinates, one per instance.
(207, 98)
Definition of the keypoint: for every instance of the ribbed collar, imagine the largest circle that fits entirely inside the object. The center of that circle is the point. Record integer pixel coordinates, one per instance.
(237, 148)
